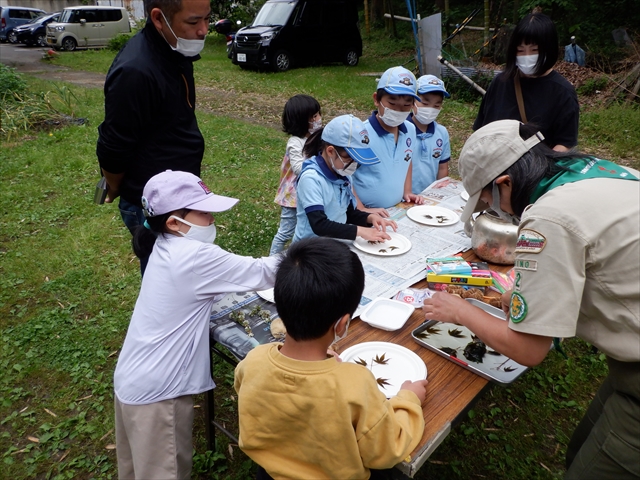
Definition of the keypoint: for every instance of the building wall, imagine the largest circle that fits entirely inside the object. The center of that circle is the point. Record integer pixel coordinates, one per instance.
(134, 7)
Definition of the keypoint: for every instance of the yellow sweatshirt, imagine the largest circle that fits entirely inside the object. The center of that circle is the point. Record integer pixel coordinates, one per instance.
(324, 419)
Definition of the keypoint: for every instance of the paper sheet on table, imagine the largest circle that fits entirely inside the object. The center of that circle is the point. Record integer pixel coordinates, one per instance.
(386, 276)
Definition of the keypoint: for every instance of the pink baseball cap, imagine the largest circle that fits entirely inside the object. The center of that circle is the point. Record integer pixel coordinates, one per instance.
(173, 190)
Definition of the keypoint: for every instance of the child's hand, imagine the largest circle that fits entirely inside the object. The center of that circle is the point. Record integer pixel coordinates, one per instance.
(334, 354)
(373, 234)
(380, 223)
(412, 198)
(419, 388)
(379, 211)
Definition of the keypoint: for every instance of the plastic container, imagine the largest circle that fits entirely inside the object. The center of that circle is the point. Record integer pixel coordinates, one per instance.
(387, 314)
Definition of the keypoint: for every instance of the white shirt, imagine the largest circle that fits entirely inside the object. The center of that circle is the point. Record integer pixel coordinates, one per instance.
(166, 351)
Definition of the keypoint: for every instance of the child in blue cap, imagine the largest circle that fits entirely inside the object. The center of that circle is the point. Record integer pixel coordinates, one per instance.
(431, 160)
(393, 140)
(326, 204)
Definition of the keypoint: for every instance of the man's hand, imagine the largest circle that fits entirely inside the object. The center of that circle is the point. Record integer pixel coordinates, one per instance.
(113, 185)
(445, 307)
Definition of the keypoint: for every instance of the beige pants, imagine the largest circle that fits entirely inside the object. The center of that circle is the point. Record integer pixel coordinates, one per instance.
(153, 442)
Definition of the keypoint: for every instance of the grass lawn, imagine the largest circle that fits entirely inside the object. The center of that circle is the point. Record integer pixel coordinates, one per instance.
(68, 278)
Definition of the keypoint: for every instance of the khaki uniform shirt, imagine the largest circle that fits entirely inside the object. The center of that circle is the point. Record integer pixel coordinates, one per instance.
(578, 266)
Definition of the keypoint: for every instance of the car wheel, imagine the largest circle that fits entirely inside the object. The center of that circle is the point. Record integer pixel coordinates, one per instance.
(12, 37)
(351, 58)
(69, 44)
(282, 61)
(41, 41)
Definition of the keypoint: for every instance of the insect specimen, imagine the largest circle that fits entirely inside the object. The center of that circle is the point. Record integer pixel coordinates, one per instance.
(392, 248)
(432, 330)
(475, 350)
(378, 360)
(381, 360)
(382, 250)
(374, 242)
(450, 351)
(441, 219)
(428, 216)
(383, 381)
(456, 332)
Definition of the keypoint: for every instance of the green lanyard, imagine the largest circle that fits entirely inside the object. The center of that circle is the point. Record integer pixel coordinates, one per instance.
(576, 169)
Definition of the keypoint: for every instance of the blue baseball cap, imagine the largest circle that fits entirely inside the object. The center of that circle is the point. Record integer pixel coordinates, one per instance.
(431, 83)
(349, 132)
(398, 81)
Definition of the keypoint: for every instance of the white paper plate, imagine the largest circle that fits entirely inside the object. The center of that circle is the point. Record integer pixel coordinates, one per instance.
(400, 364)
(398, 245)
(387, 314)
(267, 295)
(464, 196)
(428, 215)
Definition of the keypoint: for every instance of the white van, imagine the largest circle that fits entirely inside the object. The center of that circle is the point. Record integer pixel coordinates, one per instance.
(87, 26)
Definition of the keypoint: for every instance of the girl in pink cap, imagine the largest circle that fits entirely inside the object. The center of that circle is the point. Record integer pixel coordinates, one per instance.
(165, 356)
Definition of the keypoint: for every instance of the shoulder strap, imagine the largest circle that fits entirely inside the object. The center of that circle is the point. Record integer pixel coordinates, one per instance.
(523, 115)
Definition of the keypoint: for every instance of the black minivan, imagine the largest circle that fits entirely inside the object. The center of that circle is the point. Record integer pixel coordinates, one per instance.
(288, 32)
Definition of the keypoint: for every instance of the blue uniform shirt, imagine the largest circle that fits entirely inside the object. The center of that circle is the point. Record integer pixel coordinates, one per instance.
(433, 149)
(320, 188)
(382, 184)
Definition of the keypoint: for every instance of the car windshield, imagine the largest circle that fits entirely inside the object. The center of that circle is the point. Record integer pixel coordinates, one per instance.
(273, 13)
(42, 18)
(67, 16)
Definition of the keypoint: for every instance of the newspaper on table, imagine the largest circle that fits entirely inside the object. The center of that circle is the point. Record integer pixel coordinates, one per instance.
(385, 276)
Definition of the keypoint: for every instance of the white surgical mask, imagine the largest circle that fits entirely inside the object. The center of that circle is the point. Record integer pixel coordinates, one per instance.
(188, 48)
(527, 63)
(336, 337)
(426, 115)
(495, 206)
(393, 118)
(315, 125)
(345, 172)
(198, 232)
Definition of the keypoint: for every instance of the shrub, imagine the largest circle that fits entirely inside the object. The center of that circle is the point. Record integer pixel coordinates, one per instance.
(10, 82)
(592, 86)
(119, 41)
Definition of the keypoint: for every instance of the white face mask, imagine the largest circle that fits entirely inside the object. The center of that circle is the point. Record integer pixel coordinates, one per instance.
(188, 48)
(426, 115)
(345, 172)
(336, 337)
(393, 118)
(315, 125)
(527, 63)
(495, 206)
(198, 232)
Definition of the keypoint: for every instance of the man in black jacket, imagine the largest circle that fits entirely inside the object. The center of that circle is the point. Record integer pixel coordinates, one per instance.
(150, 124)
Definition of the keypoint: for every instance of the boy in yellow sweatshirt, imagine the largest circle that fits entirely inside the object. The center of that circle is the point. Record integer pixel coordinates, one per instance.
(303, 413)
